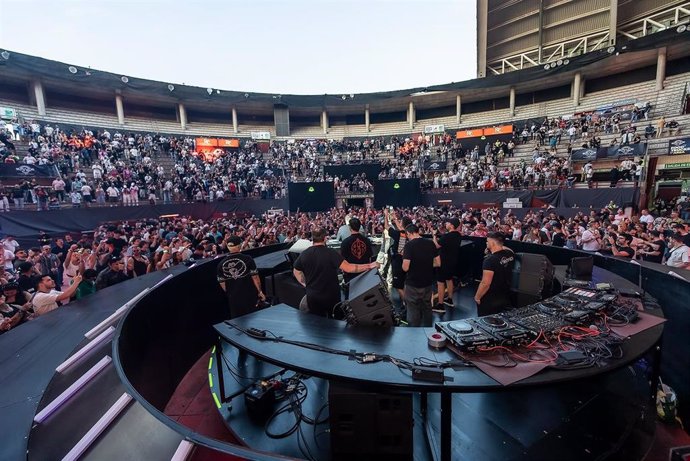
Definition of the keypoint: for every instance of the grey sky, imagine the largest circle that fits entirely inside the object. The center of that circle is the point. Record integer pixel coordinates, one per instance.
(289, 46)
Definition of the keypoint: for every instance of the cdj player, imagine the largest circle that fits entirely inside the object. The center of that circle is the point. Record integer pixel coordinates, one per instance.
(465, 336)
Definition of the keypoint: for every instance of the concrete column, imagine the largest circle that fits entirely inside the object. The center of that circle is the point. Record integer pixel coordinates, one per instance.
(324, 121)
(660, 68)
(183, 115)
(613, 21)
(120, 108)
(482, 26)
(512, 101)
(458, 109)
(576, 89)
(366, 118)
(234, 120)
(40, 97)
(411, 115)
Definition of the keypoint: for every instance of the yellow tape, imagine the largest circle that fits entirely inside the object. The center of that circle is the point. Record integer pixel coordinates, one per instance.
(215, 397)
(210, 380)
(210, 362)
(213, 351)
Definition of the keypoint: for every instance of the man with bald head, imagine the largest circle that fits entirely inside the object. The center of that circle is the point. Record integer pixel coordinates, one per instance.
(317, 270)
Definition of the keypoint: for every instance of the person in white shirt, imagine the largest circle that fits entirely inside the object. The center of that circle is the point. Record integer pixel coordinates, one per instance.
(590, 238)
(645, 217)
(9, 243)
(47, 297)
(679, 253)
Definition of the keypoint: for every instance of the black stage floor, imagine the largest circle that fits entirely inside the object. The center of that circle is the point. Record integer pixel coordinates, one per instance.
(603, 418)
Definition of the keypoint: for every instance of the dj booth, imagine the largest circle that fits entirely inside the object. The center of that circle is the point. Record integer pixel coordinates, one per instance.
(387, 361)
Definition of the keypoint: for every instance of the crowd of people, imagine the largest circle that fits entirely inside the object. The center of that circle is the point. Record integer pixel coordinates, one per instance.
(97, 167)
(80, 265)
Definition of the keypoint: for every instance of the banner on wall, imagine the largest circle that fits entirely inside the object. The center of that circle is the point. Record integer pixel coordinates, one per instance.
(261, 135)
(629, 150)
(586, 155)
(206, 142)
(679, 146)
(431, 129)
(475, 133)
(431, 165)
(498, 130)
(265, 171)
(14, 170)
(8, 113)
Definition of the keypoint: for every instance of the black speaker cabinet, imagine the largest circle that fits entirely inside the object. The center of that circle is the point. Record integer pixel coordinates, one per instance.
(533, 274)
(367, 425)
(287, 289)
(369, 303)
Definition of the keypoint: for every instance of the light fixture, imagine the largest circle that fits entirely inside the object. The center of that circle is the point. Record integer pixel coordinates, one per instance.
(72, 69)
(352, 96)
(682, 28)
(72, 390)
(86, 350)
(217, 91)
(343, 97)
(5, 55)
(124, 79)
(559, 62)
(566, 62)
(546, 67)
(246, 95)
(171, 87)
(611, 49)
(209, 91)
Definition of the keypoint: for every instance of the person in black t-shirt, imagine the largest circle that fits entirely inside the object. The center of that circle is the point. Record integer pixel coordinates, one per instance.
(493, 293)
(356, 248)
(449, 251)
(558, 237)
(396, 233)
(419, 260)
(239, 278)
(653, 250)
(621, 246)
(317, 270)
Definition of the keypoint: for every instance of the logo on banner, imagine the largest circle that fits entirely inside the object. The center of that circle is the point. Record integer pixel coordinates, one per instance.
(626, 150)
(268, 172)
(434, 166)
(678, 142)
(589, 153)
(311, 189)
(25, 170)
(396, 186)
(679, 146)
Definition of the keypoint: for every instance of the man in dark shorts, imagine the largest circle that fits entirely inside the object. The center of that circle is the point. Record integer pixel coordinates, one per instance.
(356, 248)
(493, 293)
(317, 270)
(239, 279)
(449, 251)
(419, 260)
(396, 232)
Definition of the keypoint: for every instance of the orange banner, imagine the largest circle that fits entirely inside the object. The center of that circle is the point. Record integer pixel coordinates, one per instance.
(476, 133)
(228, 143)
(502, 129)
(206, 142)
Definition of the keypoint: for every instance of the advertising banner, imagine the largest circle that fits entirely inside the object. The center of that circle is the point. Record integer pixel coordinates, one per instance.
(261, 135)
(679, 146)
(21, 170)
(431, 165)
(430, 129)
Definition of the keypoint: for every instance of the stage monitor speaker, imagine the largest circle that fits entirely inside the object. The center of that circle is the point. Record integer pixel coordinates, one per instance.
(367, 425)
(287, 289)
(581, 267)
(369, 303)
(533, 274)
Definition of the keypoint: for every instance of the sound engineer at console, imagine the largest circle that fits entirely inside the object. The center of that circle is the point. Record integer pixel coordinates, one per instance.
(493, 293)
(317, 270)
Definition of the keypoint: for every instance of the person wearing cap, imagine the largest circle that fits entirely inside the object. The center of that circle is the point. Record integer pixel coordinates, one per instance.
(493, 293)
(239, 278)
(111, 275)
(356, 248)
(678, 253)
(419, 260)
(46, 297)
(449, 251)
(316, 269)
